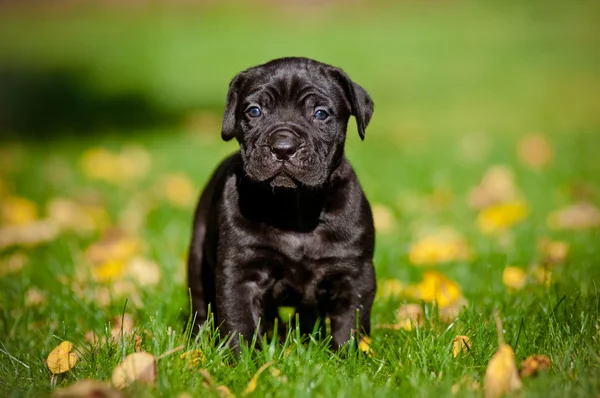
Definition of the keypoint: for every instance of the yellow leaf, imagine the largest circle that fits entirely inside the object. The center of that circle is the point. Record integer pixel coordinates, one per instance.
(101, 164)
(109, 271)
(13, 263)
(501, 217)
(178, 190)
(71, 215)
(195, 357)
(137, 367)
(253, 383)
(16, 210)
(29, 234)
(390, 288)
(514, 277)
(61, 359)
(497, 186)
(114, 245)
(439, 248)
(224, 392)
(578, 216)
(535, 151)
(409, 316)
(553, 252)
(383, 218)
(436, 288)
(34, 297)
(542, 276)
(501, 376)
(534, 364)
(143, 272)
(364, 345)
(460, 344)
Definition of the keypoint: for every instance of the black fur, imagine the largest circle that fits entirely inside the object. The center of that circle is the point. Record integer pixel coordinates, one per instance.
(289, 228)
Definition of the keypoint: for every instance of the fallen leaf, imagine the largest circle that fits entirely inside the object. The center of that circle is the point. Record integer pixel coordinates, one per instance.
(88, 389)
(535, 151)
(252, 384)
(436, 288)
(501, 375)
(194, 357)
(27, 235)
(61, 359)
(101, 164)
(178, 190)
(137, 367)
(534, 364)
(409, 316)
(582, 215)
(439, 248)
(12, 264)
(34, 297)
(123, 326)
(15, 210)
(114, 245)
(499, 218)
(383, 218)
(144, 272)
(364, 345)
(460, 344)
(497, 186)
(71, 215)
(224, 392)
(390, 288)
(553, 252)
(514, 277)
(542, 275)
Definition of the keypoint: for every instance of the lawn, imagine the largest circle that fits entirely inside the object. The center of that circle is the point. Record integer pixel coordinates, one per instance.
(481, 164)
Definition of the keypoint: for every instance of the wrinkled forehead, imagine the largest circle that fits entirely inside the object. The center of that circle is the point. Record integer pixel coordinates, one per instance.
(284, 84)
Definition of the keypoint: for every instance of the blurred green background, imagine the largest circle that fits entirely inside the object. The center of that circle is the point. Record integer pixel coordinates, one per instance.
(457, 85)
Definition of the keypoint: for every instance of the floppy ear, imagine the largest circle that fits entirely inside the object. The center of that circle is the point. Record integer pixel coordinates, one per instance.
(228, 126)
(360, 102)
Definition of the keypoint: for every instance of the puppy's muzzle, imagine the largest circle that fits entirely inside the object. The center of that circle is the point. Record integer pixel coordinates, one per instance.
(283, 144)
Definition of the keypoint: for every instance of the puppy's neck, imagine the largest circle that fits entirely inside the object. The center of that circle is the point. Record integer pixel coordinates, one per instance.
(291, 209)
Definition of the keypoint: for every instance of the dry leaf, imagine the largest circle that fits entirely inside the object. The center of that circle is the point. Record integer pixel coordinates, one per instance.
(501, 375)
(514, 277)
(71, 215)
(137, 367)
(144, 272)
(383, 218)
(224, 392)
(501, 217)
(460, 344)
(101, 164)
(252, 384)
(582, 215)
(88, 389)
(15, 210)
(194, 357)
(390, 288)
(436, 288)
(542, 276)
(553, 252)
(114, 245)
(497, 186)
(178, 190)
(535, 151)
(12, 264)
(34, 297)
(534, 364)
(409, 316)
(123, 326)
(61, 359)
(364, 345)
(29, 234)
(439, 248)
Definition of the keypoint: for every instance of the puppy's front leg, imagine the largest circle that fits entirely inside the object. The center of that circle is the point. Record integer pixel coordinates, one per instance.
(239, 304)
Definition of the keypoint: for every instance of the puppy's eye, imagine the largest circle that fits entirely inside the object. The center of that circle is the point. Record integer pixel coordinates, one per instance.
(254, 111)
(320, 114)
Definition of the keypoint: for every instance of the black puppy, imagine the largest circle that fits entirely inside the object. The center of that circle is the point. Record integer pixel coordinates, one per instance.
(284, 222)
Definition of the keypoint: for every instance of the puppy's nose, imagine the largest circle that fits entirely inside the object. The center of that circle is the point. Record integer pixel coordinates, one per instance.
(283, 144)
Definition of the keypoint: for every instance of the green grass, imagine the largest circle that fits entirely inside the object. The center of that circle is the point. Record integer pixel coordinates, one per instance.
(443, 75)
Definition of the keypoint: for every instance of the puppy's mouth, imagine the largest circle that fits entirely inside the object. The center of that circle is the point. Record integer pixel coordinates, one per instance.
(283, 180)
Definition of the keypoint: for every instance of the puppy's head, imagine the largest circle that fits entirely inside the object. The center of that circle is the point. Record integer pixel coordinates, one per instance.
(290, 117)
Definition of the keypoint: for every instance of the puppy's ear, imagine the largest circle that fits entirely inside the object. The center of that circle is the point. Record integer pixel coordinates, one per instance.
(229, 117)
(360, 102)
